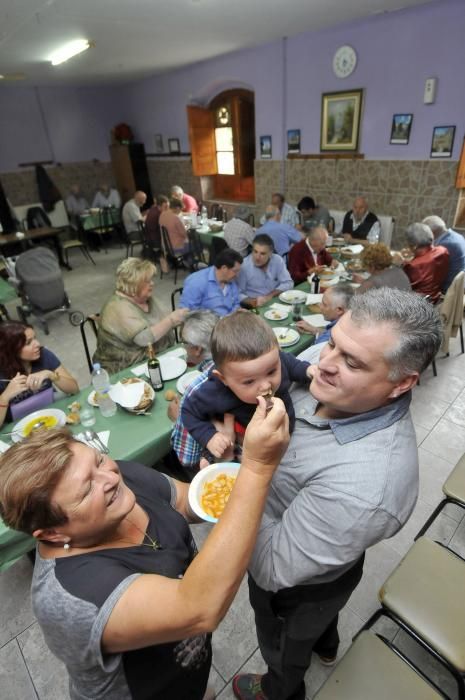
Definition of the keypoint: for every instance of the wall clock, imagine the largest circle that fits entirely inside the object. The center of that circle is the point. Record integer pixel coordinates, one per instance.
(344, 61)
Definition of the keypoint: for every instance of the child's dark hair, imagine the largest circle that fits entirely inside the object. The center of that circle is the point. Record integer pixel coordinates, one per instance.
(239, 337)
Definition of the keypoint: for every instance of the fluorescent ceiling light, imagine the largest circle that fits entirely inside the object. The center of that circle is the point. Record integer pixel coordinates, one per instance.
(68, 51)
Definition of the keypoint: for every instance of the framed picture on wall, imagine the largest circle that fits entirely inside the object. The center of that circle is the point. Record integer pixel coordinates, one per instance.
(173, 146)
(159, 147)
(443, 141)
(293, 141)
(340, 120)
(265, 146)
(400, 129)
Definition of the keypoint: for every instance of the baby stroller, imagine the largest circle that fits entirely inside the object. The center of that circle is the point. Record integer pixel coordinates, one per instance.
(40, 286)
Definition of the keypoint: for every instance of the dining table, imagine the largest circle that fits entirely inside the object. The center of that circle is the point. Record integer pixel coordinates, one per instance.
(7, 293)
(34, 235)
(91, 220)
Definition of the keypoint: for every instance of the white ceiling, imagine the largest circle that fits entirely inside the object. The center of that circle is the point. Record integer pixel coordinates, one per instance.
(142, 37)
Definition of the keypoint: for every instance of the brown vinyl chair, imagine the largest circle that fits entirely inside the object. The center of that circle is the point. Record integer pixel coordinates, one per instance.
(454, 491)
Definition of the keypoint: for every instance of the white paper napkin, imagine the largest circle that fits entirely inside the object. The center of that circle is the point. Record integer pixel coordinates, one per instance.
(140, 370)
(104, 436)
(330, 283)
(177, 352)
(316, 320)
(314, 298)
(281, 307)
(356, 248)
(4, 447)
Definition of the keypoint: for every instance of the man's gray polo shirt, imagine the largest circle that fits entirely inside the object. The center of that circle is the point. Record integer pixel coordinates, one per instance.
(342, 486)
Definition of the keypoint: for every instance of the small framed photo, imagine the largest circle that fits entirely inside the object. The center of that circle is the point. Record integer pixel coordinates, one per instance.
(400, 129)
(340, 120)
(293, 141)
(443, 141)
(265, 146)
(173, 146)
(159, 147)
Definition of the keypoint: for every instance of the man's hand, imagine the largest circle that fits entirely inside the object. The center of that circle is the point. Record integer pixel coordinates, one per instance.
(218, 445)
(334, 264)
(266, 437)
(347, 237)
(260, 301)
(173, 409)
(306, 327)
(315, 270)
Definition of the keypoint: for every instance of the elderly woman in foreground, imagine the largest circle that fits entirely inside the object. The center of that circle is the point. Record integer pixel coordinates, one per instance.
(117, 589)
(377, 260)
(428, 268)
(132, 319)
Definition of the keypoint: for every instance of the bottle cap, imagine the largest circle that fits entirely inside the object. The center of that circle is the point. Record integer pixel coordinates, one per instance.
(97, 365)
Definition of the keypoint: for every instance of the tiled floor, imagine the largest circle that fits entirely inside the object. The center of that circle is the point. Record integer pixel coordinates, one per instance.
(28, 670)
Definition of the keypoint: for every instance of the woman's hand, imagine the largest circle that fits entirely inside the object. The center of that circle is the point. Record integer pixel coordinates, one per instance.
(34, 381)
(15, 386)
(266, 437)
(177, 317)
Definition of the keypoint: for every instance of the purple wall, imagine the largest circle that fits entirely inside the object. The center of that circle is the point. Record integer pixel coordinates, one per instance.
(396, 53)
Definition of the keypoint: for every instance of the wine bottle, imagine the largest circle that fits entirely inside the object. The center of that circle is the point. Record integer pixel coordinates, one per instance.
(154, 369)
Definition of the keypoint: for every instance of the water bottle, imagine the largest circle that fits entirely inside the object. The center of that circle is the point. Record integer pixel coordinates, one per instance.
(203, 215)
(101, 384)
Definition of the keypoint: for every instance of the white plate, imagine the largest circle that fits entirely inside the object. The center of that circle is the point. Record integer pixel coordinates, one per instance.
(293, 296)
(37, 416)
(172, 367)
(292, 336)
(276, 315)
(187, 379)
(204, 475)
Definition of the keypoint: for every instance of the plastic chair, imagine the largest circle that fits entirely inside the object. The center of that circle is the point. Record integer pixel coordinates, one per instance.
(424, 596)
(454, 491)
(374, 668)
(175, 259)
(92, 320)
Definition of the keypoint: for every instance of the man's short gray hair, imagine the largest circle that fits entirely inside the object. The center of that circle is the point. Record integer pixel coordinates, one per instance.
(341, 294)
(436, 224)
(198, 327)
(412, 317)
(419, 235)
(177, 190)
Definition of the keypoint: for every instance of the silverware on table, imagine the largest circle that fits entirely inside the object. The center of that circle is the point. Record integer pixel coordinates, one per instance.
(92, 437)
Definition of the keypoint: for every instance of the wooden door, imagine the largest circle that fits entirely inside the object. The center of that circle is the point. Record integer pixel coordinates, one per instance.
(202, 139)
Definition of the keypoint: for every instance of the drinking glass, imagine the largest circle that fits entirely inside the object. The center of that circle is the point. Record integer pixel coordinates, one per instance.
(87, 416)
(297, 311)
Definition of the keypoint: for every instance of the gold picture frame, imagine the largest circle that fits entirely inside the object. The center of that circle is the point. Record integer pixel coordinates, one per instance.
(340, 120)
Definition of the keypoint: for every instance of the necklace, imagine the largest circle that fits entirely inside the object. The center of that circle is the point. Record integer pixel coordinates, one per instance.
(153, 543)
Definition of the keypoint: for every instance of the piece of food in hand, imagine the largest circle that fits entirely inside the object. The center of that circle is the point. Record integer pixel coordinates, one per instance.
(216, 493)
(170, 395)
(73, 418)
(268, 399)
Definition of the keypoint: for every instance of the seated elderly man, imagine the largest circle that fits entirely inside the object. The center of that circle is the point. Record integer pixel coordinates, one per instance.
(131, 213)
(239, 234)
(334, 304)
(106, 196)
(189, 203)
(196, 336)
(455, 244)
(313, 214)
(171, 220)
(76, 204)
(428, 268)
(310, 255)
(360, 225)
(289, 214)
(348, 480)
(214, 287)
(283, 235)
(263, 274)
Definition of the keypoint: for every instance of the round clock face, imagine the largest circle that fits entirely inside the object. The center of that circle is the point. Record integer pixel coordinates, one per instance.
(344, 61)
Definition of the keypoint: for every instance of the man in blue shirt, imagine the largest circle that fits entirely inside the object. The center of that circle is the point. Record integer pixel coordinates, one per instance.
(282, 235)
(214, 287)
(334, 304)
(455, 244)
(263, 274)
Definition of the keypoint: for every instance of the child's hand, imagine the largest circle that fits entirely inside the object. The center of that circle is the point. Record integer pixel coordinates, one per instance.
(218, 445)
(311, 371)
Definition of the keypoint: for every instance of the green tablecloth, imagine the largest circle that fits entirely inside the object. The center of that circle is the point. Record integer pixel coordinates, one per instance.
(7, 292)
(206, 237)
(92, 221)
(306, 339)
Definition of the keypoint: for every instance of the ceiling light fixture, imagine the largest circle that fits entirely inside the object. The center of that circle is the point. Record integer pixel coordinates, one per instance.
(72, 48)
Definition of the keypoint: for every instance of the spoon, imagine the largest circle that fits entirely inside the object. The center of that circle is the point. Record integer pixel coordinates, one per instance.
(92, 436)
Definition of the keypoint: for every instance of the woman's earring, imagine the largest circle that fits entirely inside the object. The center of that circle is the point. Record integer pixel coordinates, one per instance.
(66, 545)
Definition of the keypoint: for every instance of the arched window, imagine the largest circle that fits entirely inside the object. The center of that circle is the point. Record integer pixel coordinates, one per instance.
(222, 138)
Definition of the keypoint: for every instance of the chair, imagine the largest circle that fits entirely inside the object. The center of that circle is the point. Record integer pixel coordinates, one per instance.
(92, 320)
(374, 668)
(454, 491)
(105, 225)
(195, 248)
(218, 212)
(76, 243)
(152, 248)
(133, 238)
(451, 312)
(174, 293)
(175, 259)
(424, 596)
(251, 220)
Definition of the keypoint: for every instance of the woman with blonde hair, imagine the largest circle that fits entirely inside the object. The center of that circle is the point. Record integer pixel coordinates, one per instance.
(377, 260)
(132, 319)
